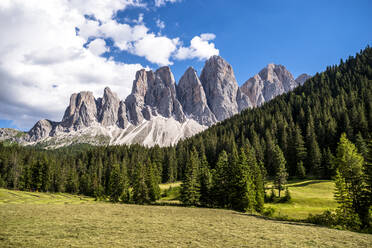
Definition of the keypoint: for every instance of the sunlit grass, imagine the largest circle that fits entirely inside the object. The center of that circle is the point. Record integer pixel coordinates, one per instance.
(308, 196)
(19, 197)
(33, 219)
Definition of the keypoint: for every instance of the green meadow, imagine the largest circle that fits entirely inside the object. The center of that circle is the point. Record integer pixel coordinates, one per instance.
(309, 196)
(32, 219)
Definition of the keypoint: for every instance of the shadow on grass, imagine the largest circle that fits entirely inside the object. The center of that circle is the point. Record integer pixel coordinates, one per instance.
(282, 220)
(306, 183)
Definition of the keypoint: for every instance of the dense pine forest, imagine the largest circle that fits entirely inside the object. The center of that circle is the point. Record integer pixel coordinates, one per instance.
(296, 135)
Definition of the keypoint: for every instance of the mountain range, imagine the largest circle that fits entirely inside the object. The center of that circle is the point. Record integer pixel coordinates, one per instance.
(158, 111)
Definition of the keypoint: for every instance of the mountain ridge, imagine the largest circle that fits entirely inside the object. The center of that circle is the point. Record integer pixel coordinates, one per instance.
(160, 111)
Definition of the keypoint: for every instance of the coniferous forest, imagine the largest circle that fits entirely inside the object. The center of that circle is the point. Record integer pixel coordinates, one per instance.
(296, 135)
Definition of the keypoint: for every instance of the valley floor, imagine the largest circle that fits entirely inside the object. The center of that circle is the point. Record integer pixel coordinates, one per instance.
(61, 220)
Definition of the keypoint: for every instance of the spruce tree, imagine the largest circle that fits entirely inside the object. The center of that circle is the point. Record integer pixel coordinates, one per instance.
(258, 179)
(190, 191)
(125, 196)
(205, 181)
(281, 171)
(152, 181)
(115, 184)
(140, 190)
(314, 156)
(221, 181)
(349, 180)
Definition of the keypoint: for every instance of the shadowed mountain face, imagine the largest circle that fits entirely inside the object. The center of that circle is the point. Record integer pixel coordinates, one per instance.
(159, 112)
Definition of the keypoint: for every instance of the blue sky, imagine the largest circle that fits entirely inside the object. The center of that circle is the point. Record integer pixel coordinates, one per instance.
(305, 36)
(46, 63)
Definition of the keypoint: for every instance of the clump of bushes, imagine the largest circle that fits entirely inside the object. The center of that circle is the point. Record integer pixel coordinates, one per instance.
(273, 198)
(338, 219)
(268, 212)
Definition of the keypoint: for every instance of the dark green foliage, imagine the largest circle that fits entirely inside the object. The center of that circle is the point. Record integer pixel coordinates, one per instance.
(152, 181)
(140, 189)
(221, 181)
(287, 197)
(205, 182)
(190, 188)
(351, 191)
(281, 171)
(116, 183)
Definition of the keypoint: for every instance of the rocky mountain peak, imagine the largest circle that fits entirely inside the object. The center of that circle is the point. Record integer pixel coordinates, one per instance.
(108, 108)
(271, 81)
(191, 95)
(300, 80)
(220, 87)
(159, 111)
(82, 110)
(41, 129)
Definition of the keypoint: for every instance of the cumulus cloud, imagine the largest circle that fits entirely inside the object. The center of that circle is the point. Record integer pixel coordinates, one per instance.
(40, 50)
(156, 49)
(200, 47)
(103, 9)
(134, 39)
(159, 3)
(98, 47)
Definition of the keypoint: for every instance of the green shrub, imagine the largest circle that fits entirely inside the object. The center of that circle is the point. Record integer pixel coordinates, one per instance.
(268, 212)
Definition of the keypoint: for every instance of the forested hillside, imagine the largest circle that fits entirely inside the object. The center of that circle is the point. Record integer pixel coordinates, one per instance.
(306, 123)
(296, 133)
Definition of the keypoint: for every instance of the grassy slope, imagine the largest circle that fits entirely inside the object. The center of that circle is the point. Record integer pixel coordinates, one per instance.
(310, 196)
(40, 220)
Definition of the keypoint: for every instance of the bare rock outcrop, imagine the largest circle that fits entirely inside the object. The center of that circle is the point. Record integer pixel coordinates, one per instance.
(270, 82)
(302, 78)
(192, 97)
(220, 87)
(81, 112)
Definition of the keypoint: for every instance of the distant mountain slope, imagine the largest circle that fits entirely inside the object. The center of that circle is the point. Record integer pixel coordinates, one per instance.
(158, 111)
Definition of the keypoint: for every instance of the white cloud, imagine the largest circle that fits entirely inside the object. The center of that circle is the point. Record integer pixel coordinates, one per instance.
(103, 9)
(42, 61)
(200, 47)
(134, 39)
(98, 47)
(207, 36)
(160, 24)
(156, 49)
(159, 3)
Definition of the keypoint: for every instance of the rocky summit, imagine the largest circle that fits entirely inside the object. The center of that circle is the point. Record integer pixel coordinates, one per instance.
(158, 111)
(270, 82)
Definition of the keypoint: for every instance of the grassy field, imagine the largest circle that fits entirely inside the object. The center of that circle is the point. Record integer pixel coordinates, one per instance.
(15, 196)
(29, 219)
(310, 196)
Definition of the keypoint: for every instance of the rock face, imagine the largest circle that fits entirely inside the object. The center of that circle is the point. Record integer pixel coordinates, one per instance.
(41, 130)
(108, 108)
(191, 95)
(161, 95)
(220, 87)
(302, 78)
(135, 102)
(81, 112)
(270, 82)
(159, 112)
